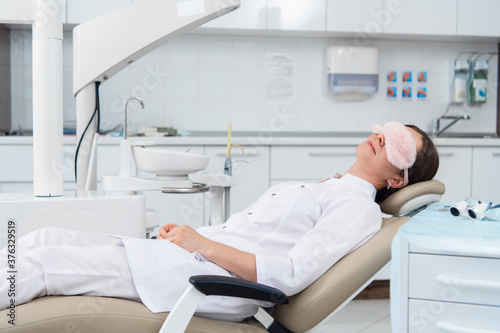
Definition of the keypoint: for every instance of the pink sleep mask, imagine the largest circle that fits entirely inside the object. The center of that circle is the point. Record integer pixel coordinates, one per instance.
(400, 146)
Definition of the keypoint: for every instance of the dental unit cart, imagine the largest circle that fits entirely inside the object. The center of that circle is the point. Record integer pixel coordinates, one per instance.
(446, 274)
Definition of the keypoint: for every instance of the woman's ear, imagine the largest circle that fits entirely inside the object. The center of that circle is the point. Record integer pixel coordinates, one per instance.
(395, 182)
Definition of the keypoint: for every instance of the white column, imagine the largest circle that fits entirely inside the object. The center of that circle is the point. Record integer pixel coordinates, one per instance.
(47, 100)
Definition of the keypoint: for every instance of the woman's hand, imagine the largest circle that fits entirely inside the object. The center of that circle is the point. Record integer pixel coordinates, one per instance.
(165, 229)
(185, 237)
(238, 262)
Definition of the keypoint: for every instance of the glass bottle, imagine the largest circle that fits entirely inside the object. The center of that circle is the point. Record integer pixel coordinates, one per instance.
(459, 83)
(478, 82)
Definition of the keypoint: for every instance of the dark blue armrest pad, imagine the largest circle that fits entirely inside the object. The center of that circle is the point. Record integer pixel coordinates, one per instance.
(214, 285)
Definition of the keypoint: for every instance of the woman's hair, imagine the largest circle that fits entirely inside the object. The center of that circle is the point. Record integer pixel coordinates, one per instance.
(425, 167)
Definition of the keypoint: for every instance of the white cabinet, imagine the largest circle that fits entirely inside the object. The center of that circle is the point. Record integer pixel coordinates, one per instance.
(444, 288)
(296, 15)
(309, 163)
(251, 171)
(364, 16)
(478, 18)
(422, 17)
(455, 169)
(80, 11)
(485, 169)
(252, 14)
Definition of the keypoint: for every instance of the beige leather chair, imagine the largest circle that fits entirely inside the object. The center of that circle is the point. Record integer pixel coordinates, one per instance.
(54, 314)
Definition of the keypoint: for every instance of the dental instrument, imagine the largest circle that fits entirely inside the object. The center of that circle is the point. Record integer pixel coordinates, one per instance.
(476, 212)
(228, 166)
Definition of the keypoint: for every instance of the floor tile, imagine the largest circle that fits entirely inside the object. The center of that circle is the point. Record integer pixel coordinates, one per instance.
(360, 316)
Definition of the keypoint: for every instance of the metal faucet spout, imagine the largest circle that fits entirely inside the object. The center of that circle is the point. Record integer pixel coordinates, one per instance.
(126, 112)
(436, 123)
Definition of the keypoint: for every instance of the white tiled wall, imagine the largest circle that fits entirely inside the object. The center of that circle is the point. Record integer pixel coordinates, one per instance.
(202, 82)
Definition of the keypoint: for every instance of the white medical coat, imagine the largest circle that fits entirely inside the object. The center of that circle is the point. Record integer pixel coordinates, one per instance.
(297, 232)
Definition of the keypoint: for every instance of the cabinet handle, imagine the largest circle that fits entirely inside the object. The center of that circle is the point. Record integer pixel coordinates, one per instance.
(495, 154)
(447, 327)
(238, 154)
(468, 283)
(330, 154)
(446, 154)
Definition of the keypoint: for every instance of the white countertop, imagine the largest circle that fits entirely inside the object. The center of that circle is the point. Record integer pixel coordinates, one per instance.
(259, 139)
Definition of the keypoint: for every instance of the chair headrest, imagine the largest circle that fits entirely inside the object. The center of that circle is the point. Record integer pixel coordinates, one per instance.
(412, 197)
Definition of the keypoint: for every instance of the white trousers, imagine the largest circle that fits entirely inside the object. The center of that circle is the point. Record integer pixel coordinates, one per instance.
(53, 261)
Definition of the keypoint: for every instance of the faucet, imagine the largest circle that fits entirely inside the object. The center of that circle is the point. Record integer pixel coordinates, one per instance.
(126, 111)
(436, 131)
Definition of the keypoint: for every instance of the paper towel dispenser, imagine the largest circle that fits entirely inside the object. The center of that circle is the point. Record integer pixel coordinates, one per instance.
(352, 72)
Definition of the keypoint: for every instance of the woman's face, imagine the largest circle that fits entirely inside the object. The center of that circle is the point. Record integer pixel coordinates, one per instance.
(373, 156)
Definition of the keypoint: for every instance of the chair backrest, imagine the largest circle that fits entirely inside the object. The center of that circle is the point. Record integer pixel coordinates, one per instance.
(341, 282)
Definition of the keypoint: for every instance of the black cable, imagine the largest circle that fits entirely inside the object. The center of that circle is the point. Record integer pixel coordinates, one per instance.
(97, 112)
(98, 107)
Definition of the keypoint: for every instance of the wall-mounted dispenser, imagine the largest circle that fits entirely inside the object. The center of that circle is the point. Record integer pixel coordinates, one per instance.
(352, 72)
(478, 81)
(470, 79)
(459, 82)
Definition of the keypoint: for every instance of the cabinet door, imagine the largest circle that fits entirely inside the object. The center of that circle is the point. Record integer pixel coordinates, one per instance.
(478, 18)
(422, 17)
(310, 163)
(16, 187)
(364, 16)
(296, 15)
(80, 11)
(17, 163)
(251, 171)
(455, 169)
(485, 179)
(252, 14)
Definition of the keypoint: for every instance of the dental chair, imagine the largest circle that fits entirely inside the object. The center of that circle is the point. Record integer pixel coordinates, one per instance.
(298, 313)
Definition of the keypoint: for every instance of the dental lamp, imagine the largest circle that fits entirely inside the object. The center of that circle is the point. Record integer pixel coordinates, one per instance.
(46, 19)
(105, 45)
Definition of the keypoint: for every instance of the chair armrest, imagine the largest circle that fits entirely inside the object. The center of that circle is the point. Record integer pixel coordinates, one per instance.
(213, 285)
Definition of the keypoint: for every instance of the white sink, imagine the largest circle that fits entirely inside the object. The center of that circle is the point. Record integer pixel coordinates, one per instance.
(168, 163)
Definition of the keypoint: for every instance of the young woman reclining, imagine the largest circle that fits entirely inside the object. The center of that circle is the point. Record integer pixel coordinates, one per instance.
(287, 239)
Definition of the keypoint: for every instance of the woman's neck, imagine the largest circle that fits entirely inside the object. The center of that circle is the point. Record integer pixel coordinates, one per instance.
(355, 170)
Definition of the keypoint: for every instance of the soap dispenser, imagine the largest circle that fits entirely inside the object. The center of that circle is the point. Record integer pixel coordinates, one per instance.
(459, 83)
(478, 82)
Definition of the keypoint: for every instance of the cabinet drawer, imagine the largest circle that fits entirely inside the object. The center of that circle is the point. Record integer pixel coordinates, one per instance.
(441, 317)
(310, 162)
(454, 279)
